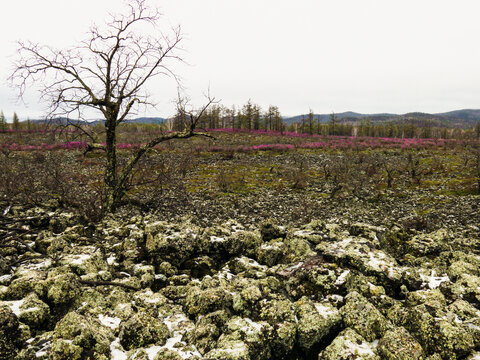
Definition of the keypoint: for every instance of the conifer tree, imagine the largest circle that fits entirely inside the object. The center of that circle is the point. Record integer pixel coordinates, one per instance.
(16, 121)
(3, 122)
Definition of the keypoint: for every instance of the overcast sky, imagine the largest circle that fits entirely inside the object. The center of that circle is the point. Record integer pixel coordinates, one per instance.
(367, 56)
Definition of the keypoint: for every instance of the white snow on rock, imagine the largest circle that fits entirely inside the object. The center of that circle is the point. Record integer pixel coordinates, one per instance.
(342, 278)
(326, 310)
(252, 263)
(116, 350)
(434, 281)
(111, 322)
(111, 260)
(358, 349)
(79, 259)
(13, 305)
(216, 239)
(225, 273)
(258, 327)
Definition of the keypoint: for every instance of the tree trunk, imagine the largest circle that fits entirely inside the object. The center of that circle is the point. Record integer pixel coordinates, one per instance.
(111, 191)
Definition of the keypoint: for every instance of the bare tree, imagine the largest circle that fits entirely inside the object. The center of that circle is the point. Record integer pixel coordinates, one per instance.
(107, 72)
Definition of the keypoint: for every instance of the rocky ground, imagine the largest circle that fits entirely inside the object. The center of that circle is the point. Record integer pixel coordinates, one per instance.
(135, 287)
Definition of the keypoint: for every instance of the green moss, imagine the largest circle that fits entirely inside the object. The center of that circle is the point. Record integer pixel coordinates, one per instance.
(348, 345)
(64, 350)
(359, 314)
(315, 322)
(142, 330)
(398, 344)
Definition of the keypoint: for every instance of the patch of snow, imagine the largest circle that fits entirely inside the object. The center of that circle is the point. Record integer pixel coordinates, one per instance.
(301, 233)
(80, 259)
(294, 267)
(247, 261)
(111, 260)
(359, 349)
(342, 278)
(39, 266)
(43, 351)
(434, 281)
(174, 324)
(225, 273)
(336, 297)
(5, 278)
(216, 239)
(117, 351)
(125, 273)
(475, 356)
(13, 305)
(111, 322)
(325, 311)
(258, 327)
(457, 319)
(377, 261)
(473, 326)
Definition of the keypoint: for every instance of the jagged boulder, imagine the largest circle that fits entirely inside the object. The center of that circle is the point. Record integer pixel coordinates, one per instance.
(398, 344)
(78, 331)
(316, 323)
(142, 329)
(349, 345)
(9, 334)
(243, 339)
(359, 314)
(34, 312)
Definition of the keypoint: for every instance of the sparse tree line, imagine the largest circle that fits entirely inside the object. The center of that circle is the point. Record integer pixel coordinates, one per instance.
(15, 125)
(251, 117)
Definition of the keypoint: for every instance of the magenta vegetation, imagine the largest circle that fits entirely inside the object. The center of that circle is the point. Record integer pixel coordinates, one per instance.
(311, 142)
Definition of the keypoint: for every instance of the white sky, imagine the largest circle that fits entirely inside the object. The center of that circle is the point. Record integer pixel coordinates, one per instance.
(360, 55)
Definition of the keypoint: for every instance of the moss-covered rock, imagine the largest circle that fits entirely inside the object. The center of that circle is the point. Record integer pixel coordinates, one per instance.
(349, 345)
(243, 243)
(84, 332)
(9, 334)
(62, 288)
(270, 231)
(276, 311)
(64, 350)
(207, 330)
(429, 244)
(203, 301)
(284, 339)
(466, 287)
(436, 332)
(243, 339)
(270, 253)
(34, 312)
(316, 322)
(398, 344)
(174, 243)
(359, 314)
(231, 350)
(371, 232)
(142, 330)
(249, 267)
(84, 260)
(27, 280)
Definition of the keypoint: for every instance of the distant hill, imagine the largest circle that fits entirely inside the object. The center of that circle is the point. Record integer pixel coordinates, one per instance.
(147, 120)
(465, 118)
(458, 118)
(63, 121)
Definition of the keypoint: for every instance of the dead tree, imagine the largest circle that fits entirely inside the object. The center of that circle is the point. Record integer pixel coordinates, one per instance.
(109, 73)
